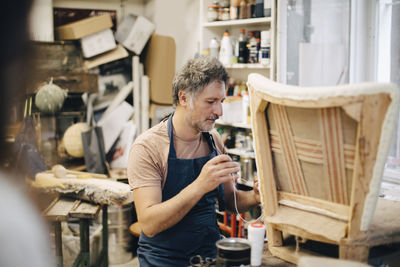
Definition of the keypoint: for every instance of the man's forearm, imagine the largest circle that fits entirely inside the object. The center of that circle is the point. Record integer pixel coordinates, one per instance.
(245, 200)
(164, 215)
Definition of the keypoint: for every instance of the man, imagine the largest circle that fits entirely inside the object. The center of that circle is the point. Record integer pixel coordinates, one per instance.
(178, 169)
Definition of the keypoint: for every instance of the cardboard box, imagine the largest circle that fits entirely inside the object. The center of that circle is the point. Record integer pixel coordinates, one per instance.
(97, 43)
(160, 67)
(134, 32)
(84, 27)
(115, 54)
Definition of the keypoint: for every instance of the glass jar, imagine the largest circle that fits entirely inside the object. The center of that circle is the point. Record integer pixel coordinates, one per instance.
(212, 14)
(226, 14)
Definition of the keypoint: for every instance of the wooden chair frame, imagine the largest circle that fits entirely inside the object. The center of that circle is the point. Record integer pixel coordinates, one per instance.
(374, 107)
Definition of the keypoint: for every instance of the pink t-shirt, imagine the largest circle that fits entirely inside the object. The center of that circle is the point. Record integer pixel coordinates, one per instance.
(148, 158)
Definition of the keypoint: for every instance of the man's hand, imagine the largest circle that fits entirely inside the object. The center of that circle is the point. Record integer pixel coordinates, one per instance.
(217, 170)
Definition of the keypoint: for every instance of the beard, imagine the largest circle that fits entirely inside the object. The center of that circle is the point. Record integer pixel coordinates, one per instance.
(204, 125)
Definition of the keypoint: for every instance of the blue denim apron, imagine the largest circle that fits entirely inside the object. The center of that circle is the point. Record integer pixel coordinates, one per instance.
(198, 231)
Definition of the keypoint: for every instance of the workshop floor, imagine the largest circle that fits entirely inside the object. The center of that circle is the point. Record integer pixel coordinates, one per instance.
(133, 263)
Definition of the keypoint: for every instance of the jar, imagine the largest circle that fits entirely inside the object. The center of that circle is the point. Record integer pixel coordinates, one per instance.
(225, 15)
(240, 139)
(212, 14)
(220, 13)
(233, 251)
(224, 3)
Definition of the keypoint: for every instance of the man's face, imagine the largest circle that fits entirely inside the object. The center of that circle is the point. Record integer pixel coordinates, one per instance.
(206, 107)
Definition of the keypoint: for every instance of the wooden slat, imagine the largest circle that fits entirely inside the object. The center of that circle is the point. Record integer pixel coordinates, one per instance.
(308, 225)
(289, 253)
(295, 173)
(85, 210)
(368, 136)
(333, 151)
(59, 211)
(311, 150)
(263, 155)
(342, 211)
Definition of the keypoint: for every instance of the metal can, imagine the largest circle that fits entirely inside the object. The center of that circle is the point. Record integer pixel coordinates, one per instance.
(233, 252)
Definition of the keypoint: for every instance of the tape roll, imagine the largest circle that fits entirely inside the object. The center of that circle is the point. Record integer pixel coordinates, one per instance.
(255, 235)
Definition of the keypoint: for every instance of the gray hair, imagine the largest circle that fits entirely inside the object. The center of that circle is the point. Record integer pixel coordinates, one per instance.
(196, 74)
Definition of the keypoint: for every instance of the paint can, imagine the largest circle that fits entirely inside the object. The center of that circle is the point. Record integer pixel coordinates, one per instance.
(232, 252)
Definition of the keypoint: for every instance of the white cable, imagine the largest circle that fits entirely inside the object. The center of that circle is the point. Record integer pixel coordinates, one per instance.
(236, 208)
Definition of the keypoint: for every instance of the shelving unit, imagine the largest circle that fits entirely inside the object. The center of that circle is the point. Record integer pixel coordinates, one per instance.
(215, 29)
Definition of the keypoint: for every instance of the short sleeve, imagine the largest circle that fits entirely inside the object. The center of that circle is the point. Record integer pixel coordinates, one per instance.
(143, 169)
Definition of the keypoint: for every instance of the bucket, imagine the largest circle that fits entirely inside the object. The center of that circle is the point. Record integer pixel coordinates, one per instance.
(119, 237)
(232, 252)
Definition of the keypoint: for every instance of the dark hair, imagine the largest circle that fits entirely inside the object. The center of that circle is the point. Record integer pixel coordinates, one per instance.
(196, 74)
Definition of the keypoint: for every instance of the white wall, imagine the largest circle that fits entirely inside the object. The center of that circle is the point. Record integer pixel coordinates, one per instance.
(180, 20)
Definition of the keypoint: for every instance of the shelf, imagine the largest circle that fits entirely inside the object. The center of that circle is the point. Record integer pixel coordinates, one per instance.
(247, 66)
(238, 22)
(237, 125)
(241, 153)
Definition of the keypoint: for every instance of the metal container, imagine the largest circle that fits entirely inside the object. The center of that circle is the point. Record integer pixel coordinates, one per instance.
(119, 237)
(232, 252)
(247, 169)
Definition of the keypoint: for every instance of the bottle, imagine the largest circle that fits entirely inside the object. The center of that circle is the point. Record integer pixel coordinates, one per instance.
(265, 48)
(243, 10)
(242, 53)
(251, 4)
(267, 8)
(259, 12)
(234, 9)
(252, 47)
(225, 52)
(213, 46)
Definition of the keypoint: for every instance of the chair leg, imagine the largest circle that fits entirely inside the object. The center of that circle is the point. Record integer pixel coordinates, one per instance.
(354, 252)
(274, 236)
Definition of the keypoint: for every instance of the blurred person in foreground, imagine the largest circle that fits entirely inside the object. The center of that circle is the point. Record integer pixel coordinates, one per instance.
(24, 238)
(178, 169)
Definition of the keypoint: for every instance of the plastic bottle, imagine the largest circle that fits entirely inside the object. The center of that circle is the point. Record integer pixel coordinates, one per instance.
(259, 11)
(242, 53)
(252, 46)
(234, 8)
(213, 46)
(265, 48)
(225, 52)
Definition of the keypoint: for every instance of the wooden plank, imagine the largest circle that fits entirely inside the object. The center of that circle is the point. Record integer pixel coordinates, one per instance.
(85, 210)
(59, 211)
(289, 253)
(369, 132)
(75, 82)
(64, 56)
(341, 210)
(263, 154)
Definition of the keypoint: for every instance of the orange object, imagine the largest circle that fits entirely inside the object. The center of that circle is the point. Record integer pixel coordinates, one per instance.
(235, 229)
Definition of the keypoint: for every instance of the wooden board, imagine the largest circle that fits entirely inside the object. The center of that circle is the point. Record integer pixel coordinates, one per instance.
(60, 208)
(85, 210)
